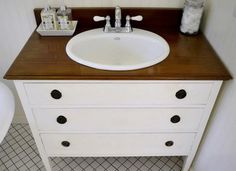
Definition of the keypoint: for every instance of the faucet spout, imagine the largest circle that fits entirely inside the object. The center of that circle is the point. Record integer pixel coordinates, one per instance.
(118, 27)
(118, 17)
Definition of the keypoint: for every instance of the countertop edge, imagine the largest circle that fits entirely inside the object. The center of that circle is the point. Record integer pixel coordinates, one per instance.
(24, 77)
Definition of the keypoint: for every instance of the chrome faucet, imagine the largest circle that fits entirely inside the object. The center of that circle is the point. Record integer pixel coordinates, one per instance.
(118, 28)
(117, 17)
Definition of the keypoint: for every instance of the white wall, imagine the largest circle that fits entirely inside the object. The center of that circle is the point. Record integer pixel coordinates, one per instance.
(17, 23)
(218, 151)
(16, 26)
(109, 3)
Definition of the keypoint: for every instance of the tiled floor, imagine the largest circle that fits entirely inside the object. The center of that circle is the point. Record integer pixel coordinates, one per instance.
(19, 152)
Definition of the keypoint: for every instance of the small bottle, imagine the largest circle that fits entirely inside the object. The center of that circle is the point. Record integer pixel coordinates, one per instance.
(193, 10)
(48, 17)
(64, 17)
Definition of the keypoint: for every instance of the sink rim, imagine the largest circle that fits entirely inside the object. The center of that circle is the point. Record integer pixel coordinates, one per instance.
(136, 32)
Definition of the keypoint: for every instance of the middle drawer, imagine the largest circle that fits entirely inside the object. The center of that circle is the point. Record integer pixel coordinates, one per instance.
(119, 119)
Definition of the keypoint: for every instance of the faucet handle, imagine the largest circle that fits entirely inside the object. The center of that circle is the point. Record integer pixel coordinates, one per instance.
(137, 18)
(107, 18)
(128, 18)
(98, 18)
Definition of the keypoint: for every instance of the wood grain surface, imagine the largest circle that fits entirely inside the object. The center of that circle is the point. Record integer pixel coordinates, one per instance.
(190, 58)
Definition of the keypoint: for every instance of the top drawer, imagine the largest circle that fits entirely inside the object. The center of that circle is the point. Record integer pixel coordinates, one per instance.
(118, 94)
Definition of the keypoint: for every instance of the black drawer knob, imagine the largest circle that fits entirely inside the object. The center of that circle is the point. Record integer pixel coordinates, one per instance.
(169, 143)
(175, 119)
(61, 119)
(65, 143)
(56, 94)
(181, 94)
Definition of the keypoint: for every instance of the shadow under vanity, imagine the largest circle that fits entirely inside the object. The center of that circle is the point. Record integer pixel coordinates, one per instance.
(162, 110)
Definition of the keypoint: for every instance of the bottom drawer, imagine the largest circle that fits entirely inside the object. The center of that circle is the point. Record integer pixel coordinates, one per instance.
(97, 145)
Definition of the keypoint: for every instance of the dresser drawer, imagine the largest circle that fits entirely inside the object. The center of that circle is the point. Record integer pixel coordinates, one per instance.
(117, 144)
(117, 94)
(119, 119)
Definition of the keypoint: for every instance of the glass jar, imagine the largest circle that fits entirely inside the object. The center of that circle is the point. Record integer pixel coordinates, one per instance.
(192, 14)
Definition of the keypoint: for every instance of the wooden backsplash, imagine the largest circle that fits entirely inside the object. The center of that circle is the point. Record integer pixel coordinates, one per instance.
(154, 18)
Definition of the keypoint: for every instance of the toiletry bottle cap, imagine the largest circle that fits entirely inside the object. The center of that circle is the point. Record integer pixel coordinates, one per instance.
(63, 8)
(47, 7)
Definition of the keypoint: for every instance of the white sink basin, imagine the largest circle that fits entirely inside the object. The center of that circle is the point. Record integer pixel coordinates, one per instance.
(117, 51)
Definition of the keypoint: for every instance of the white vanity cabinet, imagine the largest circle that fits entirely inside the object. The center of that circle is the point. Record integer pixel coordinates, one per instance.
(117, 118)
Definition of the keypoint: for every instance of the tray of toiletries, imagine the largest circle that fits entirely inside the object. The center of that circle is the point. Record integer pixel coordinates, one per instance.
(56, 22)
(57, 32)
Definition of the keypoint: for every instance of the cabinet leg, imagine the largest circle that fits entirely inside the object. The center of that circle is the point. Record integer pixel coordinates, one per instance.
(46, 162)
(44, 157)
(187, 163)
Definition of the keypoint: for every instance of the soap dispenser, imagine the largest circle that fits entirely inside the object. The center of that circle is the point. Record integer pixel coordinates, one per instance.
(48, 17)
(64, 17)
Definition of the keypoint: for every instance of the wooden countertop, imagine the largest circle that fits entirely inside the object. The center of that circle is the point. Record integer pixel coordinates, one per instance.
(190, 58)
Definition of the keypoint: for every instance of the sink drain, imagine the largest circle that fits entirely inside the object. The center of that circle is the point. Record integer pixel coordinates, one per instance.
(117, 38)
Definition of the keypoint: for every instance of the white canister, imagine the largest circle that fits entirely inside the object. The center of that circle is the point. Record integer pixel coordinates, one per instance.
(192, 14)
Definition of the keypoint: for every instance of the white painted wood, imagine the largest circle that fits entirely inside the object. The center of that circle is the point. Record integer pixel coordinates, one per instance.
(22, 94)
(117, 144)
(120, 106)
(118, 94)
(119, 119)
(118, 81)
(189, 159)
